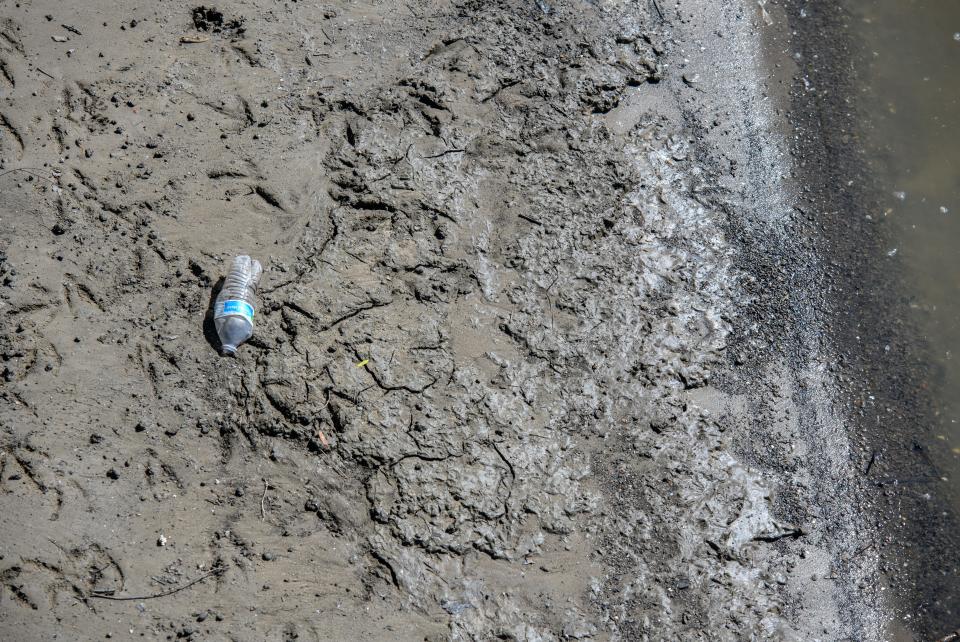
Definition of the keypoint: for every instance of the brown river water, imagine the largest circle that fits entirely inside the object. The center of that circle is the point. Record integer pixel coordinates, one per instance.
(910, 101)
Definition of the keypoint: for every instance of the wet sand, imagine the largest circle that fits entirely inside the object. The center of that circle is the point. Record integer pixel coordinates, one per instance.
(543, 349)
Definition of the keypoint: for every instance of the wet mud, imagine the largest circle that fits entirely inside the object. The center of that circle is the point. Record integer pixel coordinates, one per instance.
(517, 370)
(886, 368)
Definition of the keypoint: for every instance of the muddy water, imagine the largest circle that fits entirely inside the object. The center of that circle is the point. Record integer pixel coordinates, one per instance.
(911, 98)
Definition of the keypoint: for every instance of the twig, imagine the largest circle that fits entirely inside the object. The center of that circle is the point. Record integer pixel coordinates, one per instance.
(29, 170)
(530, 219)
(45, 73)
(403, 157)
(263, 512)
(513, 473)
(793, 533)
(656, 5)
(444, 153)
(119, 598)
(349, 253)
(863, 549)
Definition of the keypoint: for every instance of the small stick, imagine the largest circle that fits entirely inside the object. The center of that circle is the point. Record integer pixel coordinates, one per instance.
(45, 73)
(656, 5)
(119, 598)
(444, 153)
(865, 548)
(263, 512)
(29, 170)
(530, 219)
(873, 460)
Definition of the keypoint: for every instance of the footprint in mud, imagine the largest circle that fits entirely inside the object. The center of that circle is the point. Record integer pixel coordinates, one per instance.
(39, 582)
(162, 479)
(10, 138)
(11, 49)
(6, 75)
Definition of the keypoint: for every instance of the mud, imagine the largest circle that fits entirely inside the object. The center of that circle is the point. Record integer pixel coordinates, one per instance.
(886, 370)
(518, 369)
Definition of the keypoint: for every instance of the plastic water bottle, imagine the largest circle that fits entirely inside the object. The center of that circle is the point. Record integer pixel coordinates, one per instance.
(233, 312)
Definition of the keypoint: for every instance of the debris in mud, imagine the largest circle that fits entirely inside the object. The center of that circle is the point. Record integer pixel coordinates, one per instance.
(212, 20)
(234, 308)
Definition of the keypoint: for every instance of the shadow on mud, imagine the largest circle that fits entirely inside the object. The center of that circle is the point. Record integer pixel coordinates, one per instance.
(209, 329)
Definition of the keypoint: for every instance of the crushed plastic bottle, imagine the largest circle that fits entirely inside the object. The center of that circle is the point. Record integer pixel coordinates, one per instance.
(233, 312)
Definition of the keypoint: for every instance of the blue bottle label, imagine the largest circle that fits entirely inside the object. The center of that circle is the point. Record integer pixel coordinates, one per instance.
(233, 307)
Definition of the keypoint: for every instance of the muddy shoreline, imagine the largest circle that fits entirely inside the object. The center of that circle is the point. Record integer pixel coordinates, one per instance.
(544, 347)
(884, 365)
